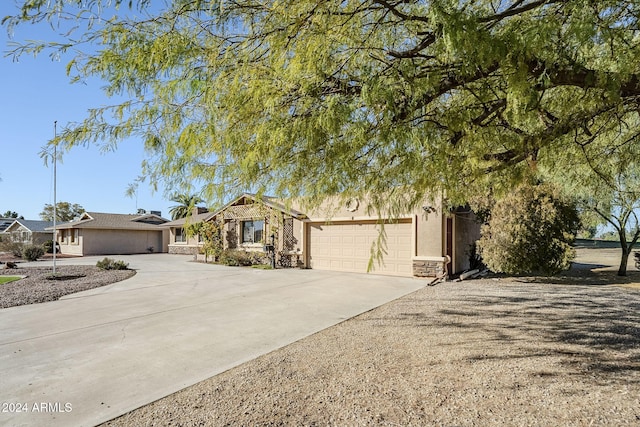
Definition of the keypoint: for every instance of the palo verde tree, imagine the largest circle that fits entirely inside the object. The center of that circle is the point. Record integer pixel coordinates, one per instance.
(395, 99)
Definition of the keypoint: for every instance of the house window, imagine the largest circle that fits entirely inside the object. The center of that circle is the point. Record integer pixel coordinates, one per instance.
(180, 235)
(252, 231)
(63, 236)
(73, 235)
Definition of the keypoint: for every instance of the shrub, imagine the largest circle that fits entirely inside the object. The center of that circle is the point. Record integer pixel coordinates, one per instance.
(475, 260)
(111, 264)
(14, 248)
(530, 231)
(32, 252)
(48, 247)
(234, 257)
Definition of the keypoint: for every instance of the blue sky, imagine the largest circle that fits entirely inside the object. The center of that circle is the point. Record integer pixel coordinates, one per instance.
(35, 93)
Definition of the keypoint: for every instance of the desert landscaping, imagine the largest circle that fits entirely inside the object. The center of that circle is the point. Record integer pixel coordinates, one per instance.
(497, 351)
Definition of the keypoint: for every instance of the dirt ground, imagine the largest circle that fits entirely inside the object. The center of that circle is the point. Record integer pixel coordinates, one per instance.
(528, 351)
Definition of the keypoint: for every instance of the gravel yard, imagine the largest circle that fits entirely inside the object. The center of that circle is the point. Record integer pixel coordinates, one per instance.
(36, 288)
(478, 353)
(561, 351)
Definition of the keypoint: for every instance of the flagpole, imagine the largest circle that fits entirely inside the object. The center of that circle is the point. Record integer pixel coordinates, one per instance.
(55, 159)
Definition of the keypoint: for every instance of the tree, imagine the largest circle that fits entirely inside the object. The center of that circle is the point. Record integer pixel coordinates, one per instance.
(211, 234)
(311, 98)
(12, 214)
(605, 180)
(619, 207)
(65, 211)
(530, 231)
(186, 203)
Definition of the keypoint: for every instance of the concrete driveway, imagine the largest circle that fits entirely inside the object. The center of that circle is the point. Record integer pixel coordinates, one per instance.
(94, 355)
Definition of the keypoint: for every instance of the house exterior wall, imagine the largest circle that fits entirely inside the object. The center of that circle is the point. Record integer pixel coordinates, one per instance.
(426, 246)
(67, 247)
(25, 236)
(20, 234)
(40, 237)
(288, 233)
(190, 246)
(429, 257)
(112, 242)
(165, 240)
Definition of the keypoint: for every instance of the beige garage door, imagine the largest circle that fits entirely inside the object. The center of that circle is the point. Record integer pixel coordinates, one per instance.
(346, 246)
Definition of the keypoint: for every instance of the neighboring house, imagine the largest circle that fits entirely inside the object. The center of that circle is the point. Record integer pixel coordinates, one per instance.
(4, 223)
(95, 233)
(341, 238)
(29, 232)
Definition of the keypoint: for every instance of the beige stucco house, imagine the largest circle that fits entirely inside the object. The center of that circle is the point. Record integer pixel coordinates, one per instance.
(96, 233)
(340, 237)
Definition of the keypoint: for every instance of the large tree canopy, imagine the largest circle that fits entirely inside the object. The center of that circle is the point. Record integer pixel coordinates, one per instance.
(317, 97)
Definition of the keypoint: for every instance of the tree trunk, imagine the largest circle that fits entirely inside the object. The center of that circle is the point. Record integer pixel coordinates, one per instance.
(622, 270)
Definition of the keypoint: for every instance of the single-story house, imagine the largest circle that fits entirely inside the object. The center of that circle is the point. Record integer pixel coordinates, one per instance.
(340, 238)
(29, 232)
(96, 233)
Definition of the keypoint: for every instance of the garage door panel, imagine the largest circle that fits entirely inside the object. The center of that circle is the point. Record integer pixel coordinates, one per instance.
(347, 247)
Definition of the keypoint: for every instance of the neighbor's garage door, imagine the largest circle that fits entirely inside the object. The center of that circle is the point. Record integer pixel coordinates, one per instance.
(346, 246)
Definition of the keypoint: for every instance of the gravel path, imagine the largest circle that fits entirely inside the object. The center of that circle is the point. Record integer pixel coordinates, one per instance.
(479, 353)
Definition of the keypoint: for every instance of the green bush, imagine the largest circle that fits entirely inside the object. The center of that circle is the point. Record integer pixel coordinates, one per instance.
(530, 231)
(234, 257)
(48, 246)
(32, 252)
(112, 264)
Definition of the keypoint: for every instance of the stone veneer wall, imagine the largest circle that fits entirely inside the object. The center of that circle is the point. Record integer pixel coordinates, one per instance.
(427, 268)
(183, 250)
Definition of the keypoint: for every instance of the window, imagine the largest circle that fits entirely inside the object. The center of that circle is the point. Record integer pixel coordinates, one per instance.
(73, 234)
(180, 236)
(252, 231)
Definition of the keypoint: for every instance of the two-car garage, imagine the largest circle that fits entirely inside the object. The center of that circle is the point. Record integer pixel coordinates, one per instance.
(346, 246)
